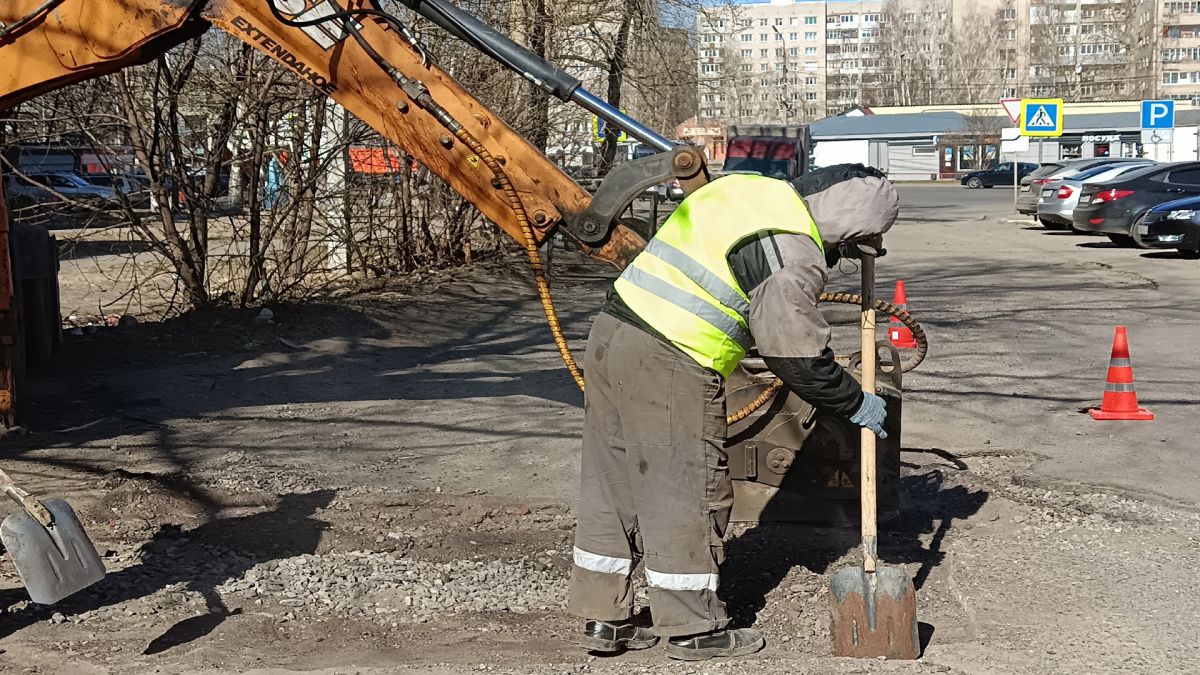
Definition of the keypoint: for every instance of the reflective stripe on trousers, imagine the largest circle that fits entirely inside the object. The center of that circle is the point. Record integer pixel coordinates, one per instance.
(595, 562)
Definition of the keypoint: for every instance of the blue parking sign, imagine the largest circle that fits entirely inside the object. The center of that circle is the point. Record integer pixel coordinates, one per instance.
(1158, 114)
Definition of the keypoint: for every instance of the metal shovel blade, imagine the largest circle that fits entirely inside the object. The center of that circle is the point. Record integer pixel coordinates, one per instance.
(53, 561)
(874, 614)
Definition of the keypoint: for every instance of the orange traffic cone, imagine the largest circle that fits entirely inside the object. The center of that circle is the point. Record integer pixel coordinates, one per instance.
(1120, 399)
(900, 335)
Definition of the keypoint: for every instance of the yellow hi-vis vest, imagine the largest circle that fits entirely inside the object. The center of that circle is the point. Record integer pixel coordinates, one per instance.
(681, 284)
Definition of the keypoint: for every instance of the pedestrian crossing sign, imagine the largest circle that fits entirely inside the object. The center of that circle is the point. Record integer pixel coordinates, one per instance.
(1041, 117)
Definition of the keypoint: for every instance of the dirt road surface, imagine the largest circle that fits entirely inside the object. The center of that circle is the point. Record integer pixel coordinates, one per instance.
(384, 482)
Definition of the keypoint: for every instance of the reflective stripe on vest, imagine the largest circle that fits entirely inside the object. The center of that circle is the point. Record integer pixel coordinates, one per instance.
(681, 285)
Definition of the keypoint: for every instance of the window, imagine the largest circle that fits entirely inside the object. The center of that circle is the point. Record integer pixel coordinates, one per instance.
(810, 80)
(869, 33)
(710, 38)
(710, 68)
(793, 51)
(832, 18)
(1010, 34)
(745, 23)
(778, 37)
(746, 67)
(762, 22)
(847, 18)
(810, 35)
(747, 53)
(762, 37)
(1064, 29)
(928, 150)
(810, 21)
(793, 36)
(779, 21)
(1010, 73)
(762, 53)
(870, 18)
(709, 53)
(1066, 50)
(746, 37)
(1008, 15)
(765, 97)
(810, 67)
(793, 20)
(833, 35)
(1184, 177)
(779, 52)
(909, 16)
(810, 96)
(763, 66)
(810, 51)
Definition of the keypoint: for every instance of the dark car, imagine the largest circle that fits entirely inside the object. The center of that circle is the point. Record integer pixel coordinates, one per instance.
(1174, 224)
(1112, 207)
(999, 174)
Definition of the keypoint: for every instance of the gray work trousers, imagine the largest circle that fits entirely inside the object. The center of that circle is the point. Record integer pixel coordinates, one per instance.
(655, 483)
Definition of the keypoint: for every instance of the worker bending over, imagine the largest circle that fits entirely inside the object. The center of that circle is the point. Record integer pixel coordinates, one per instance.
(740, 263)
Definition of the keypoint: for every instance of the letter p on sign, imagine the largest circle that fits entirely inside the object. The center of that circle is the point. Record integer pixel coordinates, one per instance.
(1158, 114)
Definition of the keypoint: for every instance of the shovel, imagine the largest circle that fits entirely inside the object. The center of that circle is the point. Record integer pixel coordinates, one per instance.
(874, 608)
(48, 546)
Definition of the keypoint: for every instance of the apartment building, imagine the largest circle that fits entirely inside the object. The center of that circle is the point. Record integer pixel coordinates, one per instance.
(1176, 48)
(766, 62)
(797, 60)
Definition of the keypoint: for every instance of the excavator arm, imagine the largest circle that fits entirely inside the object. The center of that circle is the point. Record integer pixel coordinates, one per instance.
(363, 61)
(368, 61)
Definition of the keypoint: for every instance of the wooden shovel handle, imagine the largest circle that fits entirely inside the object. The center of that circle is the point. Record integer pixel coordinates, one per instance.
(25, 500)
(867, 468)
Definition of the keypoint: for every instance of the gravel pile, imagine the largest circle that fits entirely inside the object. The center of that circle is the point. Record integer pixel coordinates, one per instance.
(364, 583)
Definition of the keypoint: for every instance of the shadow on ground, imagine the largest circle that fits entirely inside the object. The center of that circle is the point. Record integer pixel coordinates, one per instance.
(198, 558)
(761, 558)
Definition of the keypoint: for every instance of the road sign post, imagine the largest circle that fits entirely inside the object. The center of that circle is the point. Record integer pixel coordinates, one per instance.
(1012, 142)
(1158, 124)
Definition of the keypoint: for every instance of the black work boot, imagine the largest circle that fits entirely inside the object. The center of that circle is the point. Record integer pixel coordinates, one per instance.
(732, 642)
(609, 638)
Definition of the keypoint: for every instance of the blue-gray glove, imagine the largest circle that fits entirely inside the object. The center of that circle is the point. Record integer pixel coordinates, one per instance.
(871, 414)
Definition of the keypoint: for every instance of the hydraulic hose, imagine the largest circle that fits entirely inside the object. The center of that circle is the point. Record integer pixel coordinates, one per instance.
(882, 307)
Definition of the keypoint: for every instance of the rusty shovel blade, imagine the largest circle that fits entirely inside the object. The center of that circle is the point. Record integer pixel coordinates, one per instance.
(874, 614)
(54, 561)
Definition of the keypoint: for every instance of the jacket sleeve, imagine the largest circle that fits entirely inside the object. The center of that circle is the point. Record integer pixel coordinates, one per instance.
(792, 335)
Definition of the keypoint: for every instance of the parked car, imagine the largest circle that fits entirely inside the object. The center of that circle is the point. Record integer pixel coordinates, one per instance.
(998, 174)
(1112, 207)
(1030, 192)
(135, 188)
(23, 194)
(1174, 224)
(1060, 196)
(1027, 196)
(72, 186)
